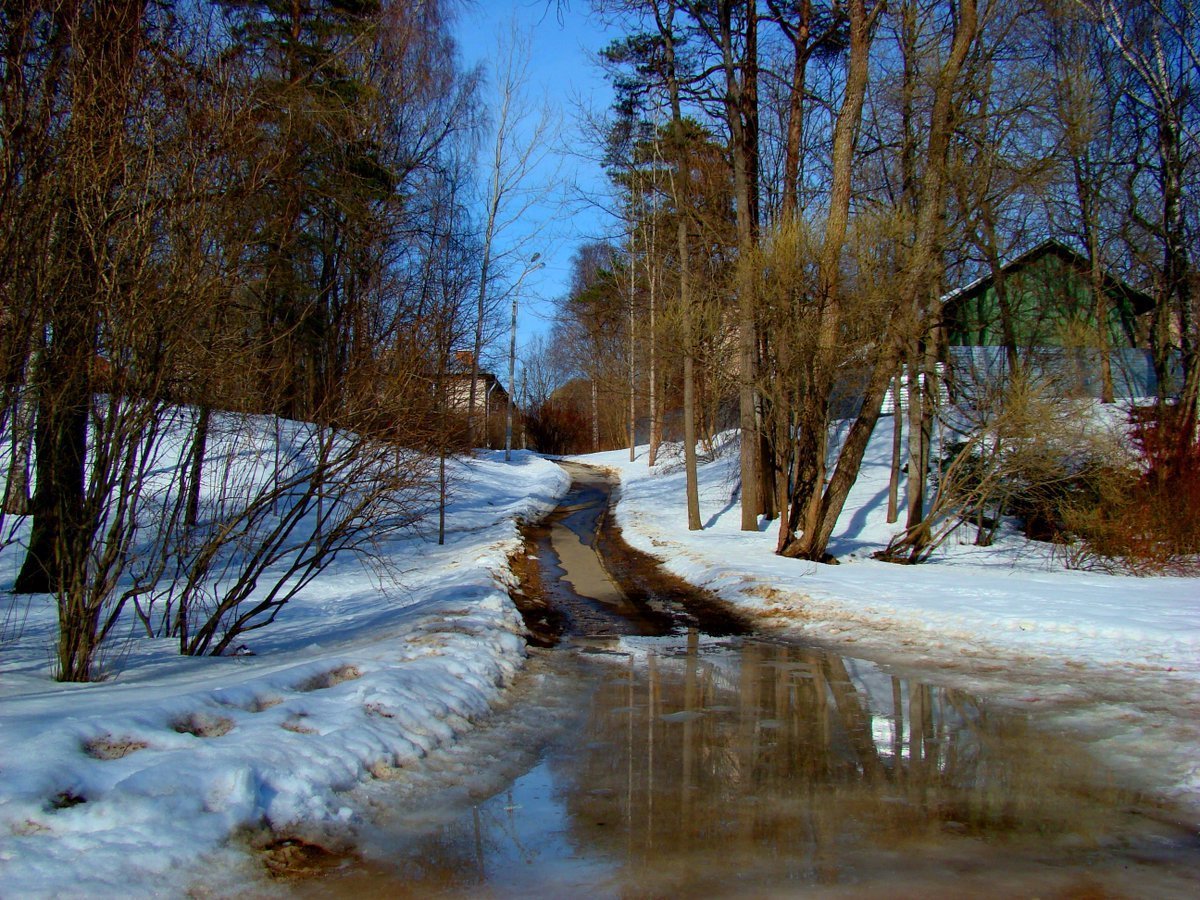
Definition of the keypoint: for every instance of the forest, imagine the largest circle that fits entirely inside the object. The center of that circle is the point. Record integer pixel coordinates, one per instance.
(240, 229)
(219, 216)
(803, 186)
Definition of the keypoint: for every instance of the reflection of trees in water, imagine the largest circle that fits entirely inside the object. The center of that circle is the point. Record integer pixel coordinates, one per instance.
(464, 852)
(781, 758)
(717, 769)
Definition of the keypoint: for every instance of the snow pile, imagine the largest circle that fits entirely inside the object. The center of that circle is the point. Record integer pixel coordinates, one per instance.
(131, 784)
(1008, 619)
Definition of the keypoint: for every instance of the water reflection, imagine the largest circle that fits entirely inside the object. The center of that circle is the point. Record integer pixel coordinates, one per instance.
(781, 764)
(700, 766)
(685, 765)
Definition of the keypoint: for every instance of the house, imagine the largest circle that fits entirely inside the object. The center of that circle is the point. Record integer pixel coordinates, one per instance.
(489, 392)
(491, 399)
(1050, 299)
(1051, 325)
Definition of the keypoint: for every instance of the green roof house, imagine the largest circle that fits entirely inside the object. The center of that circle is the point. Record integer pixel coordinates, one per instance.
(1052, 321)
(1050, 299)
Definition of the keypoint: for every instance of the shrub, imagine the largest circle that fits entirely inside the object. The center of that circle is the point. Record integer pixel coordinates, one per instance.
(1145, 519)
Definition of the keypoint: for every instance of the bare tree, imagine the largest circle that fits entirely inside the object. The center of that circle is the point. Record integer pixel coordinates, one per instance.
(519, 179)
(813, 30)
(731, 26)
(923, 263)
(1084, 105)
(811, 504)
(1159, 42)
(148, 300)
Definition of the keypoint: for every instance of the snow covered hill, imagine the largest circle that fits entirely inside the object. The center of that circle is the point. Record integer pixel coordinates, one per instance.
(136, 785)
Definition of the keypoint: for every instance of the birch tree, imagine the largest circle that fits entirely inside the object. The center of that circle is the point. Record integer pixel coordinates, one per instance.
(1159, 44)
(519, 180)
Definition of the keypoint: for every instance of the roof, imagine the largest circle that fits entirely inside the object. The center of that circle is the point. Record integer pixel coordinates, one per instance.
(1140, 301)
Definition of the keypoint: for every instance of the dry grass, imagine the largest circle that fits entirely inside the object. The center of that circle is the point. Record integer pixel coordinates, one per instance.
(203, 725)
(108, 747)
(379, 710)
(385, 770)
(296, 725)
(292, 857)
(330, 679)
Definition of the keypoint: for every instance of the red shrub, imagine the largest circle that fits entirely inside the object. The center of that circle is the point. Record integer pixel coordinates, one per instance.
(1148, 522)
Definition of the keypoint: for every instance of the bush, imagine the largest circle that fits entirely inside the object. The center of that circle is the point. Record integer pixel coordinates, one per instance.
(1144, 520)
(1020, 450)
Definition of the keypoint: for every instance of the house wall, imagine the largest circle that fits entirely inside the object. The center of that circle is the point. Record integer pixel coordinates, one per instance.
(1068, 372)
(458, 393)
(1052, 306)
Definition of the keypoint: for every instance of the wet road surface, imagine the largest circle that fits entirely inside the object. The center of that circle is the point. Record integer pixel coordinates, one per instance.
(660, 750)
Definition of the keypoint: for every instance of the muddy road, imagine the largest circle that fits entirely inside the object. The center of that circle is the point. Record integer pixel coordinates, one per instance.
(581, 580)
(655, 747)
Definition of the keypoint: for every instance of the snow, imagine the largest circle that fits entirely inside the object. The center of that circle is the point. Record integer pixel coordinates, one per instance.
(1116, 657)
(137, 784)
(154, 780)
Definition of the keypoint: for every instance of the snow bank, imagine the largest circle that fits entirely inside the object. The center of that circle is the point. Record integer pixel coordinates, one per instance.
(137, 784)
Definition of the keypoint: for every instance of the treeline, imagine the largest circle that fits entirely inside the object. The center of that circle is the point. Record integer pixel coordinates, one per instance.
(249, 206)
(802, 181)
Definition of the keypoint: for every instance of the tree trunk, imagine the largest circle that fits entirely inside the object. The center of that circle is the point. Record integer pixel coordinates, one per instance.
(689, 380)
(808, 490)
(632, 356)
(917, 283)
(689, 439)
(679, 190)
(481, 298)
(655, 412)
(795, 127)
(813, 543)
(60, 446)
(16, 490)
(917, 449)
(199, 446)
(1100, 307)
(922, 393)
(106, 41)
(595, 414)
(1008, 332)
(893, 510)
(741, 116)
(921, 280)
(1177, 278)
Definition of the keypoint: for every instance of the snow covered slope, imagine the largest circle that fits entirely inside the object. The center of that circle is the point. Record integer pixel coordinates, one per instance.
(135, 785)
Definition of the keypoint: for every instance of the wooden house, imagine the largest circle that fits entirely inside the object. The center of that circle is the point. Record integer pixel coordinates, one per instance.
(1049, 296)
(491, 399)
(1052, 326)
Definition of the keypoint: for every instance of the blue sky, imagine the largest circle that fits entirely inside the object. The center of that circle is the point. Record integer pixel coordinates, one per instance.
(562, 70)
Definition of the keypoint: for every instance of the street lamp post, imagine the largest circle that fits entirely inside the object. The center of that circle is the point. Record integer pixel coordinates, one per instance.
(512, 356)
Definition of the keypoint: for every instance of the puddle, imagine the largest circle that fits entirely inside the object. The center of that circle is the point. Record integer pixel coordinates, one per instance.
(651, 759)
